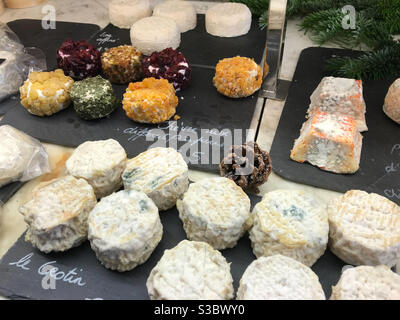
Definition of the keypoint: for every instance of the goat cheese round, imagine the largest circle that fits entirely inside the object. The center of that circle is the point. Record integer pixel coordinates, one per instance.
(191, 271)
(216, 211)
(101, 163)
(228, 19)
(57, 214)
(182, 12)
(364, 229)
(155, 34)
(292, 223)
(124, 13)
(279, 278)
(124, 229)
(161, 173)
(367, 283)
(391, 106)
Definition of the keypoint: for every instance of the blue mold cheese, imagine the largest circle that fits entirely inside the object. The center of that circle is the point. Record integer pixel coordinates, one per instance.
(161, 173)
(101, 163)
(216, 211)
(57, 214)
(124, 229)
(279, 278)
(292, 223)
(191, 271)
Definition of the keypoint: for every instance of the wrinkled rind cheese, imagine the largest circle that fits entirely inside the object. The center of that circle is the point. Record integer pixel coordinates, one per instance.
(228, 20)
(191, 271)
(216, 211)
(182, 12)
(279, 278)
(292, 223)
(124, 13)
(155, 34)
(237, 77)
(367, 283)
(46, 93)
(161, 173)
(150, 101)
(330, 142)
(101, 163)
(391, 106)
(364, 229)
(57, 214)
(124, 229)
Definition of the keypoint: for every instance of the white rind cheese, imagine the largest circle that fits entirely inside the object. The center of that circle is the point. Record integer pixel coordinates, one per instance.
(391, 106)
(182, 12)
(124, 229)
(216, 211)
(155, 34)
(101, 163)
(57, 214)
(10, 75)
(279, 278)
(161, 173)
(228, 20)
(292, 223)
(191, 271)
(124, 13)
(367, 283)
(364, 229)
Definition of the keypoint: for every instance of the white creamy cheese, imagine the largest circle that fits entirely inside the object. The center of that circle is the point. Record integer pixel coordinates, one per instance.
(182, 12)
(124, 13)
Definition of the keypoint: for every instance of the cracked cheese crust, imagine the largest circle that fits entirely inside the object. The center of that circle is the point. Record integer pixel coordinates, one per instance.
(101, 163)
(161, 173)
(57, 214)
(367, 283)
(216, 211)
(191, 271)
(364, 229)
(292, 223)
(279, 278)
(124, 229)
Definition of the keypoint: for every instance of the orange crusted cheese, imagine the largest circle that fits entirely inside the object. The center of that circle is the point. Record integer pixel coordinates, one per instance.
(150, 101)
(237, 77)
(330, 142)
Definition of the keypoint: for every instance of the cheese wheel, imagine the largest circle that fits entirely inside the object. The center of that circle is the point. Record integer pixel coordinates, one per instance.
(155, 34)
(124, 13)
(391, 106)
(182, 12)
(228, 20)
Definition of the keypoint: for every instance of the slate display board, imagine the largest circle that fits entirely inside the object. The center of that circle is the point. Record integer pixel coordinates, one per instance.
(31, 34)
(22, 269)
(380, 157)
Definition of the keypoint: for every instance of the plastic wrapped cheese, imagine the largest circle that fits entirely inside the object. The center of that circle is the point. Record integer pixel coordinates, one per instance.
(124, 13)
(10, 76)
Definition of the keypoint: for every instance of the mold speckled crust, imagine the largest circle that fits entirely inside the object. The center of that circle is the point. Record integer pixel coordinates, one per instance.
(364, 229)
(367, 283)
(292, 223)
(124, 229)
(216, 211)
(57, 214)
(101, 163)
(392, 102)
(279, 278)
(124, 13)
(191, 271)
(161, 173)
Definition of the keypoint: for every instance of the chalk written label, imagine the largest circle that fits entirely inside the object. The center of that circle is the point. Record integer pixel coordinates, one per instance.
(105, 40)
(392, 193)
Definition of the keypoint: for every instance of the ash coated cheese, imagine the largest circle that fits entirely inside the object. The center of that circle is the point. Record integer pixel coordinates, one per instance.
(364, 229)
(391, 106)
(216, 211)
(191, 271)
(228, 20)
(367, 283)
(10, 77)
(161, 173)
(124, 229)
(101, 163)
(182, 12)
(155, 34)
(292, 223)
(57, 214)
(124, 13)
(279, 278)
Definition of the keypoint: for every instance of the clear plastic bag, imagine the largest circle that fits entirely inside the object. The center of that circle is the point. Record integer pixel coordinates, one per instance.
(16, 62)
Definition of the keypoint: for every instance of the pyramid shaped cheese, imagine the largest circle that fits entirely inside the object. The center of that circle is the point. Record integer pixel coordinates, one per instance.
(329, 141)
